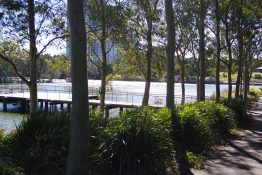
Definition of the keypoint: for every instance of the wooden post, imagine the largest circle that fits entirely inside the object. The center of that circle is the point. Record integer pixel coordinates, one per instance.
(68, 107)
(27, 105)
(23, 105)
(106, 114)
(46, 106)
(121, 109)
(4, 105)
(62, 107)
(41, 104)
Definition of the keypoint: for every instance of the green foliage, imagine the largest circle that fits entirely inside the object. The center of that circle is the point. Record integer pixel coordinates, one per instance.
(238, 106)
(257, 76)
(139, 140)
(195, 160)
(204, 124)
(39, 145)
(138, 143)
(254, 94)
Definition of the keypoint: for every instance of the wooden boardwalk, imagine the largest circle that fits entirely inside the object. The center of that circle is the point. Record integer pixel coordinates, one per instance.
(49, 101)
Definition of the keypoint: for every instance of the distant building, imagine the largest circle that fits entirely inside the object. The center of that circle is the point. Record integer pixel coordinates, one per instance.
(95, 49)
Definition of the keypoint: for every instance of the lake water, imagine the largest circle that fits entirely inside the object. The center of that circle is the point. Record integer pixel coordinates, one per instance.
(118, 91)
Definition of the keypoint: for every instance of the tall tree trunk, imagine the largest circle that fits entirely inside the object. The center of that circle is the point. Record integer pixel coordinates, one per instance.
(197, 86)
(246, 81)
(183, 81)
(181, 60)
(32, 55)
(202, 51)
(149, 54)
(79, 141)
(229, 66)
(217, 51)
(197, 73)
(104, 60)
(240, 53)
(170, 50)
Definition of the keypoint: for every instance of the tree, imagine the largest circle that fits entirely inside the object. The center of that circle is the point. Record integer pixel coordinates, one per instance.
(228, 43)
(170, 51)
(218, 49)
(185, 34)
(105, 22)
(141, 32)
(27, 22)
(202, 51)
(79, 141)
(59, 66)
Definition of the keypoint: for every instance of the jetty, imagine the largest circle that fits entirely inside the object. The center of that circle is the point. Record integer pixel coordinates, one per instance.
(52, 98)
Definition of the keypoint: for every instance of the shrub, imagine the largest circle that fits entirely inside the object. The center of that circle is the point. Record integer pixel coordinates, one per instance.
(195, 160)
(238, 106)
(254, 94)
(39, 145)
(257, 76)
(140, 142)
(203, 124)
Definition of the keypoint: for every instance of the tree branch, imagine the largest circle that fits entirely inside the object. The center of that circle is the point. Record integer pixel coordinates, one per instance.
(49, 42)
(6, 59)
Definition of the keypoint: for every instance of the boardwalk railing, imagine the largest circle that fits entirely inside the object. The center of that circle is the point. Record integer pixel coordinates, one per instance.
(65, 93)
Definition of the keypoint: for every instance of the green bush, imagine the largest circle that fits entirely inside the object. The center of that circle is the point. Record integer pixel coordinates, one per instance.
(254, 94)
(39, 145)
(195, 160)
(140, 142)
(238, 106)
(204, 124)
(257, 76)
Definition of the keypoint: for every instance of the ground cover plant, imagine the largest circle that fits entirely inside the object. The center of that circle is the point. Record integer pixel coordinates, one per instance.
(138, 141)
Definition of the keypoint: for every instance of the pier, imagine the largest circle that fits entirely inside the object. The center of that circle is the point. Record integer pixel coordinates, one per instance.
(50, 98)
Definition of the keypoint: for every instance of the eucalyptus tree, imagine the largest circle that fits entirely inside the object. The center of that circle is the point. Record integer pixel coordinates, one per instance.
(240, 48)
(33, 24)
(79, 137)
(251, 31)
(105, 21)
(227, 20)
(143, 23)
(170, 51)
(218, 48)
(202, 50)
(185, 33)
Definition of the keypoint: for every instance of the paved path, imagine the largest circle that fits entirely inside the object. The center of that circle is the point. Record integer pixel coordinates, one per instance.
(242, 156)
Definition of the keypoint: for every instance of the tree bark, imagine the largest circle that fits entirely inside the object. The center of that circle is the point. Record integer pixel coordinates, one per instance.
(183, 81)
(79, 141)
(202, 51)
(170, 49)
(229, 66)
(181, 60)
(240, 53)
(246, 81)
(104, 60)
(149, 54)
(33, 57)
(217, 51)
